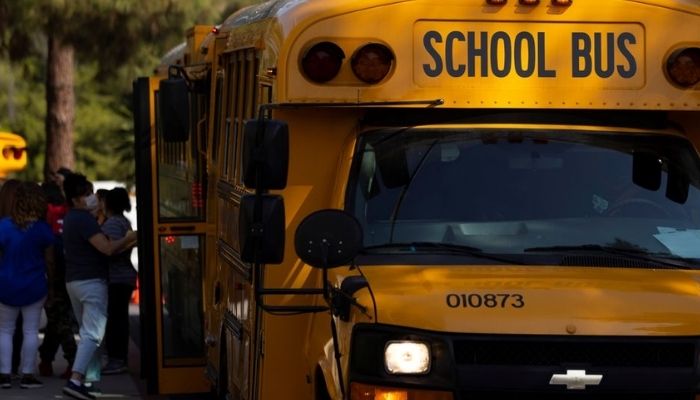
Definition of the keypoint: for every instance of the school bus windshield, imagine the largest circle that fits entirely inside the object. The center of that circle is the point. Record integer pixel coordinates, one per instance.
(511, 191)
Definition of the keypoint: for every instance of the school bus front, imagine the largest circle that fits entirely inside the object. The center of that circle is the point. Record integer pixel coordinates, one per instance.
(526, 179)
(520, 260)
(529, 228)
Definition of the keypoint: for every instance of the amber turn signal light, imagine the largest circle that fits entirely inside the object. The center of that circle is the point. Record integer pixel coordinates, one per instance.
(372, 62)
(361, 391)
(13, 152)
(322, 62)
(683, 67)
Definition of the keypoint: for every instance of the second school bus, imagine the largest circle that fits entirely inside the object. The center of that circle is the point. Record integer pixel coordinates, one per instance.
(515, 187)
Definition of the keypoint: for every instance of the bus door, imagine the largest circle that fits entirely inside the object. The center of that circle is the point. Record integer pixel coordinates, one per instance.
(172, 239)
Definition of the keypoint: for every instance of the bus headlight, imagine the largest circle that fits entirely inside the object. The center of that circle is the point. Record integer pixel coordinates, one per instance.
(407, 357)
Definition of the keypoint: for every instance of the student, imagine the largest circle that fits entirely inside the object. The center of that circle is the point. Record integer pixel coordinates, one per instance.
(59, 313)
(122, 281)
(86, 248)
(7, 201)
(25, 244)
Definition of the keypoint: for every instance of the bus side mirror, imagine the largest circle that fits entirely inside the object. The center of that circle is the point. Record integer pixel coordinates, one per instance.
(261, 242)
(392, 164)
(173, 110)
(266, 154)
(646, 170)
(328, 239)
(677, 184)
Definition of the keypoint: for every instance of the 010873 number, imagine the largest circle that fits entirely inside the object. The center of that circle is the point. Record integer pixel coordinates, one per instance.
(487, 300)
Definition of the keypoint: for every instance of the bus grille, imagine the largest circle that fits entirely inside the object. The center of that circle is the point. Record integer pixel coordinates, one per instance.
(590, 353)
(468, 395)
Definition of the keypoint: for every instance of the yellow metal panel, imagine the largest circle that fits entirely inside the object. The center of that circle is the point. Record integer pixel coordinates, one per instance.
(591, 55)
(182, 380)
(549, 301)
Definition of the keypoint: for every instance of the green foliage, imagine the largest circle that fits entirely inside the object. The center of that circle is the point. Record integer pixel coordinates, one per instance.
(115, 41)
(22, 110)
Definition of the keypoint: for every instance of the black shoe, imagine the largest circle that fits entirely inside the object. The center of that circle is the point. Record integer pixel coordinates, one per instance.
(77, 391)
(5, 381)
(28, 381)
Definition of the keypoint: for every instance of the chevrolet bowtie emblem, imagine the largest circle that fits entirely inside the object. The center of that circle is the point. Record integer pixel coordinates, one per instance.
(575, 379)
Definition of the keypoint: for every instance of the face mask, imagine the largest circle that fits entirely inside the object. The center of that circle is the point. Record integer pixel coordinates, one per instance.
(91, 202)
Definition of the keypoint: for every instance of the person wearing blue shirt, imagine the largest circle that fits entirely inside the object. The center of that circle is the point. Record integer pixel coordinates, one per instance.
(86, 249)
(25, 242)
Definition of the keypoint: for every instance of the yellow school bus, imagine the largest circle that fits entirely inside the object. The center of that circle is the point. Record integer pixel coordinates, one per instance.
(420, 199)
(14, 153)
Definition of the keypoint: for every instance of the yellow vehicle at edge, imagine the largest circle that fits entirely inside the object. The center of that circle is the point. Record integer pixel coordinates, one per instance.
(14, 153)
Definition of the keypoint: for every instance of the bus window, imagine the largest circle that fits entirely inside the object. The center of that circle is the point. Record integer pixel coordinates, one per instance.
(181, 293)
(507, 191)
(180, 174)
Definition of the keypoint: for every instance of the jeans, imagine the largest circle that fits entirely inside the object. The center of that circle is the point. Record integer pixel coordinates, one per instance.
(31, 315)
(117, 336)
(89, 300)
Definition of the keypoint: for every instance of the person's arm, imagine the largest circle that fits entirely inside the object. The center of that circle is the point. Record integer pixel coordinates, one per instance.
(108, 247)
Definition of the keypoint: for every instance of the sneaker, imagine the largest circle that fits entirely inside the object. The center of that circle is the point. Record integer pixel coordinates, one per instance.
(45, 369)
(28, 381)
(92, 389)
(114, 367)
(5, 381)
(77, 391)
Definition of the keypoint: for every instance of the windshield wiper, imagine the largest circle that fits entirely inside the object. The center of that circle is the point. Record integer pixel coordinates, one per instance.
(665, 259)
(439, 247)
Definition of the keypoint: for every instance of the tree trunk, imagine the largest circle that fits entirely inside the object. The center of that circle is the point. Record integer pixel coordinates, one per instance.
(60, 107)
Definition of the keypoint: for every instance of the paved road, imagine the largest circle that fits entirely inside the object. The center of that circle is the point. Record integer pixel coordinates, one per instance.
(124, 386)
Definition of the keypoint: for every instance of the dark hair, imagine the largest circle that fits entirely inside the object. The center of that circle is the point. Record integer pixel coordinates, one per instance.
(30, 204)
(74, 186)
(53, 193)
(117, 201)
(7, 196)
(64, 171)
(101, 193)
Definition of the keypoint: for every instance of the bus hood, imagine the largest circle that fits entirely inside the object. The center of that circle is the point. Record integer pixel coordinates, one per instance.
(537, 300)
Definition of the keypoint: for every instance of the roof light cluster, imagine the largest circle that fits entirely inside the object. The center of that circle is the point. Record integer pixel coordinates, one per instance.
(12, 152)
(683, 67)
(370, 63)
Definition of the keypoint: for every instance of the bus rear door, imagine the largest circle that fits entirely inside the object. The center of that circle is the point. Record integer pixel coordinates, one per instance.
(172, 238)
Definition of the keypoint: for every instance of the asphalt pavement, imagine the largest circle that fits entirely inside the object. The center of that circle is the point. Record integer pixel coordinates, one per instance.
(122, 386)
